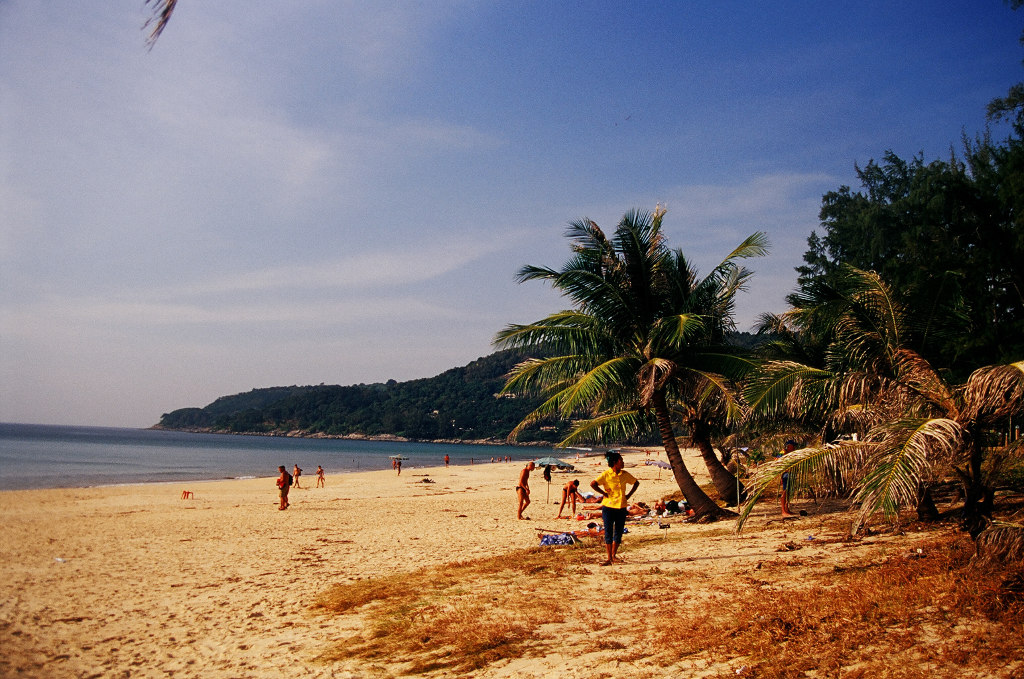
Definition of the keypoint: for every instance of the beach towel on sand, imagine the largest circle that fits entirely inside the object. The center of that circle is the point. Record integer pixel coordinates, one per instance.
(558, 539)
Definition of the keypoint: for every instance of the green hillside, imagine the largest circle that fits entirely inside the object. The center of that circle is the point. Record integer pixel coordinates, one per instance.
(459, 404)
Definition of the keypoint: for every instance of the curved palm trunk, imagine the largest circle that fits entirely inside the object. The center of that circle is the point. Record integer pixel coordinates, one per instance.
(703, 506)
(730, 490)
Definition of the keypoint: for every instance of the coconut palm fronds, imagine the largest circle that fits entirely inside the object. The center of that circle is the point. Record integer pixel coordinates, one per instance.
(162, 11)
(806, 467)
(1002, 542)
(901, 461)
(995, 391)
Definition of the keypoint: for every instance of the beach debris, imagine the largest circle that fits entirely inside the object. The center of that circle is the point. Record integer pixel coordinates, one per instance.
(59, 560)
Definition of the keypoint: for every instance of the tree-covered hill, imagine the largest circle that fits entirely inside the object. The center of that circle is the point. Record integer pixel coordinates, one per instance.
(459, 404)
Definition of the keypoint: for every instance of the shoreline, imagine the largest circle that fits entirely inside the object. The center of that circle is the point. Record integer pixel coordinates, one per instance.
(390, 438)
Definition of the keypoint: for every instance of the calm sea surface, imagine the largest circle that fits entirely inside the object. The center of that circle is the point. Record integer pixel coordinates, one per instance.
(44, 456)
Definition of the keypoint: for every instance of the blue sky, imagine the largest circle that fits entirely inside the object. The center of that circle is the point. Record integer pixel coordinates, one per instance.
(302, 192)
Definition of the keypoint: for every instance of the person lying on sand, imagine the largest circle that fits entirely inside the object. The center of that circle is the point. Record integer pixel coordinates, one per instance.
(633, 510)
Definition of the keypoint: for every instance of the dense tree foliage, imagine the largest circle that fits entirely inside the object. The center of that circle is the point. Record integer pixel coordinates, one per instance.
(913, 426)
(458, 404)
(949, 235)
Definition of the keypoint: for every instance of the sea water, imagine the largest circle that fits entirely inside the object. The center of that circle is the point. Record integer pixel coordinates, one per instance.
(47, 456)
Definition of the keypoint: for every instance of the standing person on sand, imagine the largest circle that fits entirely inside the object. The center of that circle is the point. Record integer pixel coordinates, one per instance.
(784, 496)
(284, 484)
(570, 493)
(523, 489)
(296, 473)
(446, 459)
(398, 466)
(611, 484)
(320, 477)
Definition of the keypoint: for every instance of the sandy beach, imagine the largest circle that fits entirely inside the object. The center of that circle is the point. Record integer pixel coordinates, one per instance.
(138, 581)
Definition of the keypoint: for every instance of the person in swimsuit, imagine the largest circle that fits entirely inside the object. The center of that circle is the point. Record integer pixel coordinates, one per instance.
(570, 493)
(296, 473)
(284, 482)
(319, 476)
(523, 489)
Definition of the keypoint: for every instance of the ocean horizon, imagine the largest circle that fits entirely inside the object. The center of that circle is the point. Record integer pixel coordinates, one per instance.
(36, 456)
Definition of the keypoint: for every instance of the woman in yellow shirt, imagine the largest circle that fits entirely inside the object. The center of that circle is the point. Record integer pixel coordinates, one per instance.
(611, 485)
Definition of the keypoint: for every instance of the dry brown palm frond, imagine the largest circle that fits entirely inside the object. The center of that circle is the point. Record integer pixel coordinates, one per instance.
(162, 11)
(871, 399)
(916, 372)
(901, 460)
(653, 375)
(995, 392)
(858, 388)
(1001, 542)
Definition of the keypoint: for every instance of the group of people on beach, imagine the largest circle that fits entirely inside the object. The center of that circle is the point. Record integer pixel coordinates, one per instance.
(286, 481)
(614, 485)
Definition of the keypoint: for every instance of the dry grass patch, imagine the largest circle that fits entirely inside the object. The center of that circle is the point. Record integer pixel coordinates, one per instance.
(889, 612)
(457, 617)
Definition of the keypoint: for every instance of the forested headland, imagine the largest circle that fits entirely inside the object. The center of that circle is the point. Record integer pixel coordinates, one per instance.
(462, 404)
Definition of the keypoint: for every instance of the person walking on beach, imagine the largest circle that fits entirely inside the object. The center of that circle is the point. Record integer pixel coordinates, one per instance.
(284, 484)
(320, 477)
(570, 493)
(523, 489)
(446, 459)
(611, 485)
(296, 473)
(398, 465)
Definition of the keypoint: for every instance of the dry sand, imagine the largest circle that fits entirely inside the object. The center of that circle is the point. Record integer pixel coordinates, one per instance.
(134, 581)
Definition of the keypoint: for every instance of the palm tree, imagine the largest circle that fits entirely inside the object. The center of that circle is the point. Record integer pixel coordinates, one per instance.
(915, 425)
(644, 331)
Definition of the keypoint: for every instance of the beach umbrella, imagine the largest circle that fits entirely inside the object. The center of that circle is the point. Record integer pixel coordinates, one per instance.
(552, 462)
(659, 464)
